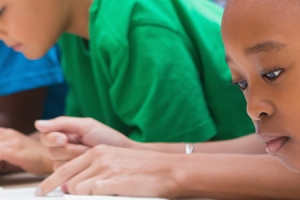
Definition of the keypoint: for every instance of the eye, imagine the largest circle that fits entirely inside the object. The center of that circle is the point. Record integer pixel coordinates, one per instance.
(271, 76)
(243, 85)
(2, 10)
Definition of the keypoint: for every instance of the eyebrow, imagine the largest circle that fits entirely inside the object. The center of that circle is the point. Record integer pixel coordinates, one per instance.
(267, 46)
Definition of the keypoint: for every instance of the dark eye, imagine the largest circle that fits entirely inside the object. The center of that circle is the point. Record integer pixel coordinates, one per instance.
(2, 10)
(243, 85)
(271, 76)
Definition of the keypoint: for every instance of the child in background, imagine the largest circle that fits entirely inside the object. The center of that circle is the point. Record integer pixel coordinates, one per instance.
(262, 40)
(131, 65)
(29, 90)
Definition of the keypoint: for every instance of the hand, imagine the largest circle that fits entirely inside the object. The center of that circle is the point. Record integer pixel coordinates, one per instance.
(20, 151)
(69, 137)
(105, 170)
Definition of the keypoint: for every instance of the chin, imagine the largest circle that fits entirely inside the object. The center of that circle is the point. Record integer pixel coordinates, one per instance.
(34, 55)
(293, 166)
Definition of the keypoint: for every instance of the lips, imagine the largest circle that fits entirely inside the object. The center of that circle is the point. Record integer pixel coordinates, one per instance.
(273, 146)
(273, 143)
(16, 47)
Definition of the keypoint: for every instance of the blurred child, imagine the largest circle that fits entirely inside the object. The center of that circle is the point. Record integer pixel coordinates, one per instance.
(29, 90)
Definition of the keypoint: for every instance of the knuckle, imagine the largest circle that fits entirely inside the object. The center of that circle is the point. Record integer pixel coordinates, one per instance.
(96, 189)
(98, 150)
(79, 190)
(73, 187)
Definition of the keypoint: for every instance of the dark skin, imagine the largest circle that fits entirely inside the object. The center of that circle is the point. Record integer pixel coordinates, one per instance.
(262, 45)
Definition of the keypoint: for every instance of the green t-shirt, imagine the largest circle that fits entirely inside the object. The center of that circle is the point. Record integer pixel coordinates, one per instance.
(155, 71)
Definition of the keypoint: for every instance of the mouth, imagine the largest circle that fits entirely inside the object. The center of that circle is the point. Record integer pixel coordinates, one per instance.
(274, 145)
(16, 47)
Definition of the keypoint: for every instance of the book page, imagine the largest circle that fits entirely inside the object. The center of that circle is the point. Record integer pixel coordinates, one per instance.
(78, 197)
(28, 194)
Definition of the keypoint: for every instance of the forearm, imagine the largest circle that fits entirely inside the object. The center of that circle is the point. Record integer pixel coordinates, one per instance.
(225, 176)
(244, 145)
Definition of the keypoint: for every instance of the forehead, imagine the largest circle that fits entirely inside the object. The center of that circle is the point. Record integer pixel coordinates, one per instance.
(258, 20)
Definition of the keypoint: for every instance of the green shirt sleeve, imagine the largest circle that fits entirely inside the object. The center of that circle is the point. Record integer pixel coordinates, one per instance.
(158, 90)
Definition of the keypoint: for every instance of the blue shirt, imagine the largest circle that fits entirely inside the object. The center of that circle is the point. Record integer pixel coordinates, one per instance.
(19, 74)
(220, 2)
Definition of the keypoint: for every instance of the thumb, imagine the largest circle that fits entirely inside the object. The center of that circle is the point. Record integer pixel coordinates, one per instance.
(63, 124)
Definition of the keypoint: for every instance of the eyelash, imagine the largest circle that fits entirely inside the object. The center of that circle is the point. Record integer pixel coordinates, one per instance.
(265, 75)
(274, 70)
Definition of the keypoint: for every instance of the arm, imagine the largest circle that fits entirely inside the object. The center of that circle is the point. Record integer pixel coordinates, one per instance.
(244, 145)
(218, 175)
(92, 133)
(221, 176)
(228, 176)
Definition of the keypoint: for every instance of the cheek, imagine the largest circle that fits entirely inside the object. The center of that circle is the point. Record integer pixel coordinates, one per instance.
(286, 92)
(289, 115)
(19, 28)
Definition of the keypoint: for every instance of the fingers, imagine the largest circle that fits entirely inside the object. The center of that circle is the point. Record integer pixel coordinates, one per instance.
(108, 187)
(81, 183)
(61, 155)
(63, 174)
(24, 152)
(67, 152)
(65, 125)
(58, 164)
(53, 139)
(83, 188)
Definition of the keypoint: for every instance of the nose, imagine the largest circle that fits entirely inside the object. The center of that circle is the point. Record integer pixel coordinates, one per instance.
(259, 105)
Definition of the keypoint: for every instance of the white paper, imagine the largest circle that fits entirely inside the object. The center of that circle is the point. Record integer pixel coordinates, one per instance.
(78, 197)
(29, 194)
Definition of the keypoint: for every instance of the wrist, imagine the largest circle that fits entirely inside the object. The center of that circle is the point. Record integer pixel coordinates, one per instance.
(189, 148)
(181, 175)
(131, 144)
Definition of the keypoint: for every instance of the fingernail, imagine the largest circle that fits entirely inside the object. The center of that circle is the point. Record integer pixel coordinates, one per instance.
(60, 140)
(43, 122)
(39, 191)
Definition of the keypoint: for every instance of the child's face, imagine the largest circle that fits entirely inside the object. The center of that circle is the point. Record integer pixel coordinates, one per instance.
(31, 26)
(262, 41)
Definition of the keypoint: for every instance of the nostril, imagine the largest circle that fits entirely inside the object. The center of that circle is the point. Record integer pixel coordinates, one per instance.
(263, 114)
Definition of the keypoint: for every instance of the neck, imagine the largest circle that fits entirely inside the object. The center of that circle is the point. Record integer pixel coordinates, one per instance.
(79, 18)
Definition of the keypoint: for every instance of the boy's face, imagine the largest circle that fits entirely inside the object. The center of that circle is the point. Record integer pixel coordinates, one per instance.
(262, 41)
(31, 26)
